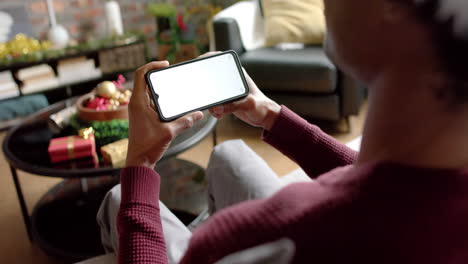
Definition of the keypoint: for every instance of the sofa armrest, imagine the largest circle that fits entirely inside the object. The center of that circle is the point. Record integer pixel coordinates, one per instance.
(227, 35)
(352, 94)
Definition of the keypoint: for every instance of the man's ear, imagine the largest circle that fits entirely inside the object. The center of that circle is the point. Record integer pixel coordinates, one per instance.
(395, 11)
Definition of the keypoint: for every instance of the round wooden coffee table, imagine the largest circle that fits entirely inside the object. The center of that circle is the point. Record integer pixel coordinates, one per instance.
(63, 222)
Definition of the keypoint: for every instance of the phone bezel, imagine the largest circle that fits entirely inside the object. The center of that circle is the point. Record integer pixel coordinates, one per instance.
(155, 95)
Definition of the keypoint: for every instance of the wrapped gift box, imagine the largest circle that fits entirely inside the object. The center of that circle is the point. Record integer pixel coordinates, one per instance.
(71, 148)
(84, 163)
(115, 153)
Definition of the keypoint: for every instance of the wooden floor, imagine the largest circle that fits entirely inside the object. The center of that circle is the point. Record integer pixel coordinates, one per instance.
(14, 244)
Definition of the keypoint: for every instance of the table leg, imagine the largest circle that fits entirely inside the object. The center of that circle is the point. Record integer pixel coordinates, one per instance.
(84, 185)
(68, 90)
(215, 136)
(24, 209)
(183, 188)
(63, 222)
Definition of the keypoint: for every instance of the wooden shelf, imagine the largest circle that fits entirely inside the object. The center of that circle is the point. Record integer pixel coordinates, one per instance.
(19, 65)
(96, 55)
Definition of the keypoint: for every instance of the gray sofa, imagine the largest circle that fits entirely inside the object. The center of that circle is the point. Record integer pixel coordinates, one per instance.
(303, 79)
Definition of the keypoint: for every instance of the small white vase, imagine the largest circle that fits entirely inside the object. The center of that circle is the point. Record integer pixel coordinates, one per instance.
(114, 25)
(58, 36)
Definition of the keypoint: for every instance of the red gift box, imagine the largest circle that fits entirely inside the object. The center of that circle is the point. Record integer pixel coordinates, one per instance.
(84, 163)
(71, 148)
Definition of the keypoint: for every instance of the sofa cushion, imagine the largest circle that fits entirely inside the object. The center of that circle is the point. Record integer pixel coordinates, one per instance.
(294, 21)
(305, 70)
(325, 107)
(22, 106)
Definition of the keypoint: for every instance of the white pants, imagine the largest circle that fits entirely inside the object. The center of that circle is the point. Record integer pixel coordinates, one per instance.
(235, 173)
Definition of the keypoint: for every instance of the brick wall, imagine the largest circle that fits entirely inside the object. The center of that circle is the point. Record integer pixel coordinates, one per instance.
(84, 19)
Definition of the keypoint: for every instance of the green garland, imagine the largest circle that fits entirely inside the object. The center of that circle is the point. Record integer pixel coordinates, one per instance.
(105, 132)
(90, 46)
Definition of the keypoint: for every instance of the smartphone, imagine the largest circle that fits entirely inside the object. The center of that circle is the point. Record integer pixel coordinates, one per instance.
(197, 85)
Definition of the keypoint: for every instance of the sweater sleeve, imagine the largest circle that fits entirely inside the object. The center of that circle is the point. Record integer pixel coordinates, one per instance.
(141, 238)
(315, 151)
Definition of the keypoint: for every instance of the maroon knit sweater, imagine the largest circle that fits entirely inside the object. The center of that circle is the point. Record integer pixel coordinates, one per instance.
(376, 213)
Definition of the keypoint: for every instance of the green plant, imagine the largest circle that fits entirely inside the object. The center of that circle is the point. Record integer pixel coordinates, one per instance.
(105, 132)
(161, 10)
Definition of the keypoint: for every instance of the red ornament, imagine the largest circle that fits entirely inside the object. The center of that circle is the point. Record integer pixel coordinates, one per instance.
(120, 81)
(98, 104)
(181, 22)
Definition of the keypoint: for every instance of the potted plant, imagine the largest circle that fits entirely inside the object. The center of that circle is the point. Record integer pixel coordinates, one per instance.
(174, 45)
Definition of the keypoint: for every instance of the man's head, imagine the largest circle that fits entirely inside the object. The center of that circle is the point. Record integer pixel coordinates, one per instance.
(367, 37)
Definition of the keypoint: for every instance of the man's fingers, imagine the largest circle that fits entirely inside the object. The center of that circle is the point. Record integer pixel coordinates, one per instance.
(150, 100)
(228, 108)
(211, 110)
(231, 107)
(218, 110)
(140, 83)
(186, 122)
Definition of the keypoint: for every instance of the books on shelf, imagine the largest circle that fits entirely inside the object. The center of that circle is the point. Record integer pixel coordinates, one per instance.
(9, 94)
(37, 78)
(42, 77)
(6, 76)
(77, 69)
(34, 71)
(8, 86)
(40, 86)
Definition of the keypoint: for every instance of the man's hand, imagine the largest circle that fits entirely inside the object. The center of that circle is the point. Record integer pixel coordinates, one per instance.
(256, 109)
(149, 138)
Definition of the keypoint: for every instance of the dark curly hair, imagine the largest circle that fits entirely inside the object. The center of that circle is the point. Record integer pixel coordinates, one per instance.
(451, 48)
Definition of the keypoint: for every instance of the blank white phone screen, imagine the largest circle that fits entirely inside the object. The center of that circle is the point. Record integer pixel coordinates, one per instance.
(195, 85)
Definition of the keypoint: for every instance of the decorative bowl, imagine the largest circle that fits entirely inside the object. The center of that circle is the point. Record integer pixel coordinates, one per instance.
(88, 114)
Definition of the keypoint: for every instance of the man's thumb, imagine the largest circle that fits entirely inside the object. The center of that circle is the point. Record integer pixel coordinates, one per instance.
(187, 122)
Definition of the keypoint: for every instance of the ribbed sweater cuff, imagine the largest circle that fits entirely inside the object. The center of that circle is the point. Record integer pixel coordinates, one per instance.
(286, 121)
(140, 184)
